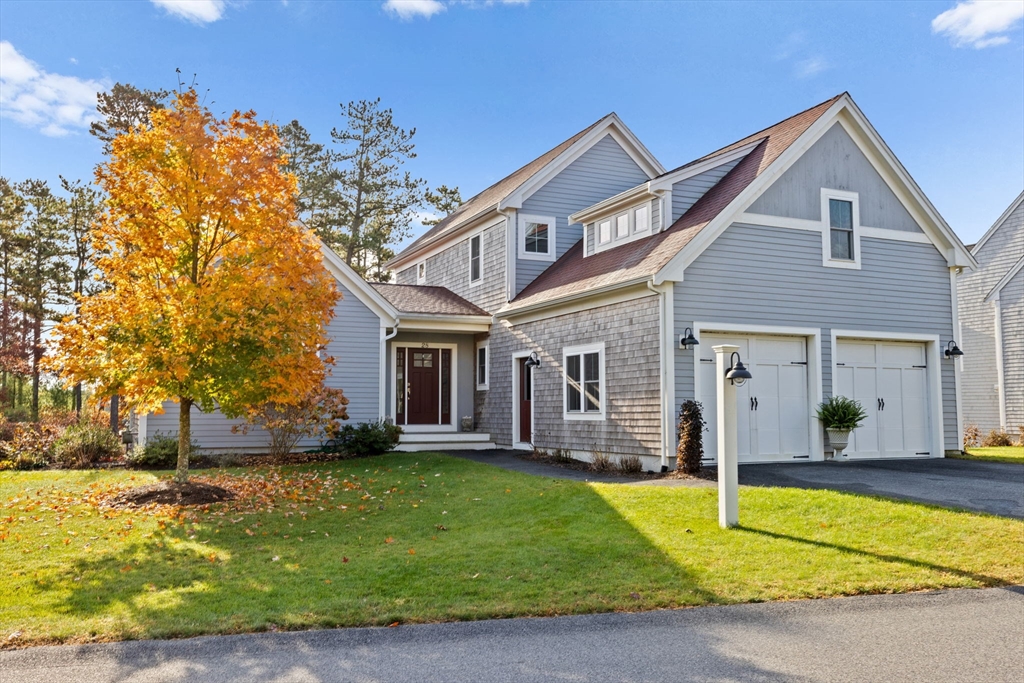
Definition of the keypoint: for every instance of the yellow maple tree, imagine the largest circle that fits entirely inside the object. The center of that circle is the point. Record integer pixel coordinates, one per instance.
(217, 296)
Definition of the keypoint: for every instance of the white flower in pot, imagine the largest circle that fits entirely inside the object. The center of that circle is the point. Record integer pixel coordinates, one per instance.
(840, 416)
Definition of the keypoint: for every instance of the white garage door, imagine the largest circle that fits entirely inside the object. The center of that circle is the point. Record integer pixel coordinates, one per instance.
(774, 410)
(890, 380)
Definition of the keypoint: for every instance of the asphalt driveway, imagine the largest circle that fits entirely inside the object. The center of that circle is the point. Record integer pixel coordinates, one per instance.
(993, 487)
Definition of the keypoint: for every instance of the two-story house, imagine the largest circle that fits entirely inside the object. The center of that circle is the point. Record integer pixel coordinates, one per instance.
(552, 308)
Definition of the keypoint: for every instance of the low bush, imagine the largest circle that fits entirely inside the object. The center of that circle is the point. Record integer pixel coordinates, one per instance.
(368, 438)
(997, 438)
(86, 444)
(691, 437)
(160, 452)
(18, 415)
(1020, 435)
(972, 436)
(30, 446)
(631, 464)
(563, 455)
(601, 462)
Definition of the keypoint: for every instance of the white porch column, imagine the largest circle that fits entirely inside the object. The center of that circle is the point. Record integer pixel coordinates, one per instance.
(728, 470)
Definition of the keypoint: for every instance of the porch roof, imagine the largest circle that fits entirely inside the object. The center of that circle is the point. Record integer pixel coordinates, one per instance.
(437, 308)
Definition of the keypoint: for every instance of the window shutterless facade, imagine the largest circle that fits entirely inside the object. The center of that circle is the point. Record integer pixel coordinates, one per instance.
(537, 237)
(421, 272)
(482, 365)
(840, 221)
(475, 260)
(583, 387)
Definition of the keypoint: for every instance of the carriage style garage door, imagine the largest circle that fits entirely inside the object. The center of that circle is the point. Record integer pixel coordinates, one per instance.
(773, 407)
(890, 380)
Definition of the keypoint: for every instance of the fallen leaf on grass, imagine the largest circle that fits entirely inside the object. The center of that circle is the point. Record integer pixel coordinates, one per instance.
(344, 560)
(389, 540)
(411, 551)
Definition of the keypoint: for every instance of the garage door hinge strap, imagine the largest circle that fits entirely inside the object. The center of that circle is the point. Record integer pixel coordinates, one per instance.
(798, 362)
(920, 366)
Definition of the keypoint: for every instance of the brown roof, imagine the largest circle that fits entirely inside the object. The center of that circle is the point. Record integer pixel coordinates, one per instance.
(490, 197)
(423, 299)
(573, 274)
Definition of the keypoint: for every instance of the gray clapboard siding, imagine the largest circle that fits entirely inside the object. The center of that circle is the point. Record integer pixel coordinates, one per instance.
(686, 193)
(774, 276)
(1011, 304)
(602, 171)
(978, 377)
(354, 343)
(834, 162)
(629, 330)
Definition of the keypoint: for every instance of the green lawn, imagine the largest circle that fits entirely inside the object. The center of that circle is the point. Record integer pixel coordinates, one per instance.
(422, 537)
(997, 454)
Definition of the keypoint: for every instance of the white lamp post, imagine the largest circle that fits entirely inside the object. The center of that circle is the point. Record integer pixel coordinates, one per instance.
(728, 376)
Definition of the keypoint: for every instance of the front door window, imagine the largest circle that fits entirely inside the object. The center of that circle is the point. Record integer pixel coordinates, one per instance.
(423, 391)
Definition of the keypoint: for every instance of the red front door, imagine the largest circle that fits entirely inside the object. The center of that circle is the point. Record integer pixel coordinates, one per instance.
(525, 401)
(424, 387)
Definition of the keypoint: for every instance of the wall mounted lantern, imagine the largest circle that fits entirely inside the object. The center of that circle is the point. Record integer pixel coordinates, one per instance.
(533, 361)
(687, 340)
(737, 373)
(952, 350)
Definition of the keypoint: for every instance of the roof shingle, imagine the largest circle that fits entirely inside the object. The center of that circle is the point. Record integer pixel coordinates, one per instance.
(424, 299)
(490, 197)
(574, 274)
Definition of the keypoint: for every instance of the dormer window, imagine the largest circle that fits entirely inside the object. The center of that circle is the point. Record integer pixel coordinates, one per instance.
(626, 226)
(537, 238)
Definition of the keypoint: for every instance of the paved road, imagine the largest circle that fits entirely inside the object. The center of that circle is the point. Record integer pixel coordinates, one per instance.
(966, 635)
(997, 488)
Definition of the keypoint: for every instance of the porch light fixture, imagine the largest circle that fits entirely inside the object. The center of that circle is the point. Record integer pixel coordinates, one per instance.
(952, 350)
(533, 361)
(687, 340)
(737, 374)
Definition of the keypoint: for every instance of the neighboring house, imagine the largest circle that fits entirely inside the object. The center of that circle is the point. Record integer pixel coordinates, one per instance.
(549, 308)
(991, 305)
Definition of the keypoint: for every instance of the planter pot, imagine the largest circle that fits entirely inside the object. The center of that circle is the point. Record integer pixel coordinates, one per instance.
(467, 423)
(840, 439)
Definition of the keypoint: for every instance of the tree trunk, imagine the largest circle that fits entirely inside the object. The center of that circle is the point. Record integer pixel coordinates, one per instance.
(37, 349)
(115, 418)
(77, 399)
(184, 439)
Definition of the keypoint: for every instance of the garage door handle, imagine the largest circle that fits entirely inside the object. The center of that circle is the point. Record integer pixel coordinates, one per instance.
(755, 403)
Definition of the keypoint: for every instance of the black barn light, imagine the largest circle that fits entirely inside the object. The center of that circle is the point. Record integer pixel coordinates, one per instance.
(687, 340)
(952, 350)
(737, 373)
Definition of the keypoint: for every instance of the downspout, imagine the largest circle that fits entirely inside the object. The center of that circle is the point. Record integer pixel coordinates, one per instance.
(667, 367)
(384, 337)
(1000, 368)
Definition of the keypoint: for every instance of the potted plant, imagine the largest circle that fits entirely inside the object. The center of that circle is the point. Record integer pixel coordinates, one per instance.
(840, 416)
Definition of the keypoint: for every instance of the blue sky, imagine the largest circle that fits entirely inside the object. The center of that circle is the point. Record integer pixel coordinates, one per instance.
(491, 85)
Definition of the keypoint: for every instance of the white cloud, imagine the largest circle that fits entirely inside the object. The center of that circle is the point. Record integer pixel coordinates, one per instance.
(811, 67)
(409, 9)
(979, 23)
(196, 11)
(73, 60)
(54, 104)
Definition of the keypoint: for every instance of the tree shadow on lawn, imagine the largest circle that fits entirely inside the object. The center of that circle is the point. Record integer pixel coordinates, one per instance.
(558, 548)
(982, 579)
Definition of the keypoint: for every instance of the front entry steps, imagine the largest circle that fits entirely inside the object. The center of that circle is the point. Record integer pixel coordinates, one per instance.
(445, 441)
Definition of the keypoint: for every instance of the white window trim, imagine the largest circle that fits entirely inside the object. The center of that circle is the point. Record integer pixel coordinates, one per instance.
(478, 236)
(579, 351)
(826, 229)
(632, 235)
(487, 365)
(421, 272)
(532, 256)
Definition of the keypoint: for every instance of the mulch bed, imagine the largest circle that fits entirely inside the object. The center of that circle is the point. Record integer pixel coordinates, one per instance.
(171, 493)
(707, 473)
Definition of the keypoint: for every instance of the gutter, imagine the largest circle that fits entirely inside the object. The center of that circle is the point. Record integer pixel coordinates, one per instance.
(666, 357)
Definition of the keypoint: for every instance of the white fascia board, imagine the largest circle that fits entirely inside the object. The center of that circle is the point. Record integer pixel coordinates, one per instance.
(611, 125)
(1014, 269)
(478, 223)
(910, 194)
(999, 222)
(591, 298)
(666, 182)
(673, 270)
(653, 188)
(366, 294)
(444, 323)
